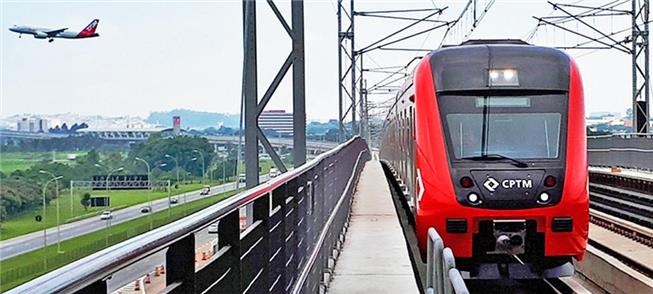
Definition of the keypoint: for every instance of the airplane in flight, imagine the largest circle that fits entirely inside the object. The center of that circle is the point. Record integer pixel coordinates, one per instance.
(50, 34)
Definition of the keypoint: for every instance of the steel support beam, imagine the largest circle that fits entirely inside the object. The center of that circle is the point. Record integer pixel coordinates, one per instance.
(299, 85)
(253, 108)
(353, 92)
(638, 49)
(352, 56)
(341, 130)
(640, 66)
(346, 69)
(361, 102)
(250, 95)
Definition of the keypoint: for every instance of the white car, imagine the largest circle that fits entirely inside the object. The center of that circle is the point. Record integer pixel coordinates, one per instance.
(106, 215)
(174, 199)
(241, 178)
(273, 173)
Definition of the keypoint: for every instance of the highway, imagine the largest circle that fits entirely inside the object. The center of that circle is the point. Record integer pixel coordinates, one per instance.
(33, 241)
(127, 276)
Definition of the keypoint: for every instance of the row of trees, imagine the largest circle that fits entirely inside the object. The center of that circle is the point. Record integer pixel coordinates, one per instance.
(73, 143)
(21, 190)
(19, 196)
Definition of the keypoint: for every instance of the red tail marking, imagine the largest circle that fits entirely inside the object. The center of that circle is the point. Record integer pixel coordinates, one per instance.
(89, 30)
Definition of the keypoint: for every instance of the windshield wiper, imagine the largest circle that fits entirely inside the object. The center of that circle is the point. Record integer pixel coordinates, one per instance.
(515, 162)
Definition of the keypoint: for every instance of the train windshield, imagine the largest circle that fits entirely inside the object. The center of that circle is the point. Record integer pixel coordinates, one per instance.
(516, 127)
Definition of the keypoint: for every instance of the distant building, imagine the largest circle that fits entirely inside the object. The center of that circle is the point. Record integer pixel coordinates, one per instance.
(176, 125)
(32, 125)
(278, 121)
(22, 125)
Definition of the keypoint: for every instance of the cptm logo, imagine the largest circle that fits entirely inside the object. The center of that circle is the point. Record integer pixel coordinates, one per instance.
(491, 184)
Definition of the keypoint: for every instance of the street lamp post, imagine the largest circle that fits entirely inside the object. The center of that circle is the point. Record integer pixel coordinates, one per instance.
(202, 157)
(169, 199)
(176, 165)
(72, 198)
(224, 170)
(56, 184)
(106, 185)
(45, 234)
(169, 193)
(149, 187)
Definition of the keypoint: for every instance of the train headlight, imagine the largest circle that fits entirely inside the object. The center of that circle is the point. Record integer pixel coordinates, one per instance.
(473, 198)
(543, 198)
(503, 77)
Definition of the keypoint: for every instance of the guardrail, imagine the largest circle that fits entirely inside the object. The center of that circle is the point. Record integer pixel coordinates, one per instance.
(297, 221)
(441, 273)
(627, 150)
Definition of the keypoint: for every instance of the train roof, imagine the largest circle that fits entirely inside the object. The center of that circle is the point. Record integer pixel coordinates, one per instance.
(489, 42)
(466, 66)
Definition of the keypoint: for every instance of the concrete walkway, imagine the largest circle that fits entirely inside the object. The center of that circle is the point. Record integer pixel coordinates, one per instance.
(374, 257)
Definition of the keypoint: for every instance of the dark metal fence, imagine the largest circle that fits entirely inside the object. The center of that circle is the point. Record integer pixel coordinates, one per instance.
(298, 220)
(629, 151)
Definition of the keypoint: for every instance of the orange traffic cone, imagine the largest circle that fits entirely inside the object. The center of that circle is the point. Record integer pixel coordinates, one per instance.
(163, 269)
(156, 271)
(137, 286)
(204, 255)
(147, 279)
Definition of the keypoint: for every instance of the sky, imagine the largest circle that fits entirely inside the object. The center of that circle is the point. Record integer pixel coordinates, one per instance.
(164, 55)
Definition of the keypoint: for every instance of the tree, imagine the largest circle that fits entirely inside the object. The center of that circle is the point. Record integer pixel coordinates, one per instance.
(180, 147)
(86, 200)
(3, 216)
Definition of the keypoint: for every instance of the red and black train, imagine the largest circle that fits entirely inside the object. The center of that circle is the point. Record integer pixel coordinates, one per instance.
(488, 138)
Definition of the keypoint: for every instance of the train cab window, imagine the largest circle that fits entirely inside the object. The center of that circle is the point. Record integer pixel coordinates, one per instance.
(516, 127)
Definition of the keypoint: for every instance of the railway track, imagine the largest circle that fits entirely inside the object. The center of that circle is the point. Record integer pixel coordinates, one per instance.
(625, 197)
(632, 231)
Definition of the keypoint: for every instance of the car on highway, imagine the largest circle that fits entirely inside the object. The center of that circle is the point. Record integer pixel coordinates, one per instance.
(206, 190)
(174, 199)
(241, 178)
(146, 209)
(106, 215)
(213, 228)
(273, 173)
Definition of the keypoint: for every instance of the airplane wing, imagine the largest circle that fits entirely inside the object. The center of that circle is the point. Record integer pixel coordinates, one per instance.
(55, 32)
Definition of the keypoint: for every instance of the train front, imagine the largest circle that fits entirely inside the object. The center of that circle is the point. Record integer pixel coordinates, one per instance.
(501, 157)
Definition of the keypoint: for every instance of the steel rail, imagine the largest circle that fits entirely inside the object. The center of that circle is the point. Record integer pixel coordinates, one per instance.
(622, 196)
(631, 231)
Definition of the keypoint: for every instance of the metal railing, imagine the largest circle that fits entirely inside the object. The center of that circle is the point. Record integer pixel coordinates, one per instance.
(441, 273)
(298, 219)
(626, 150)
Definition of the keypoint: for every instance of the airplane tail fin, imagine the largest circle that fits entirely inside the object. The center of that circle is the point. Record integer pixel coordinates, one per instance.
(89, 30)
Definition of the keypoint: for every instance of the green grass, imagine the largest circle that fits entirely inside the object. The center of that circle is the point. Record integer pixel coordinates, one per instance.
(22, 268)
(25, 223)
(11, 161)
